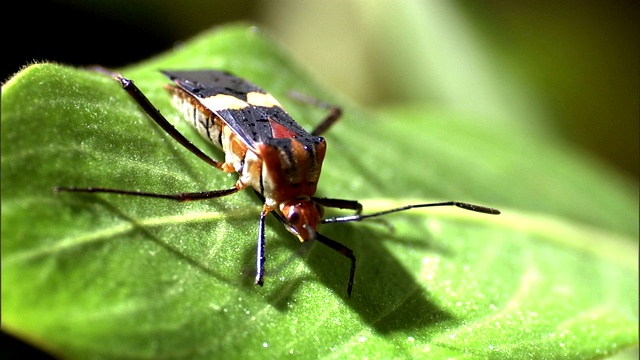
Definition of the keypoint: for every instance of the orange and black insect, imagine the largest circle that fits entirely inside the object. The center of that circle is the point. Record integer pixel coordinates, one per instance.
(270, 152)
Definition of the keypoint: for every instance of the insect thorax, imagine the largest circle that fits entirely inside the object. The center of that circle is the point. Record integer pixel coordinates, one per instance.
(280, 168)
(291, 169)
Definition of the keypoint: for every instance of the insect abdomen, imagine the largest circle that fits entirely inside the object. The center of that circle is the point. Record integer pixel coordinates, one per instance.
(208, 124)
(213, 128)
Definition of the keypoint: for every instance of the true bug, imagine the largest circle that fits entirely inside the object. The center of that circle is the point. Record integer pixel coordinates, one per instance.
(266, 147)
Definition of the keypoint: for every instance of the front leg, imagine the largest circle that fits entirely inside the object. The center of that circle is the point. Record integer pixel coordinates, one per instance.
(260, 257)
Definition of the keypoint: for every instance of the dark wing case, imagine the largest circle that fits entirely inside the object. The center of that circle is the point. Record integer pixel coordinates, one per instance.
(255, 125)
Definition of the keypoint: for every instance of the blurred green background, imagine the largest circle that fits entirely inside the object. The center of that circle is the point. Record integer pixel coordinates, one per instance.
(566, 69)
(571, 66)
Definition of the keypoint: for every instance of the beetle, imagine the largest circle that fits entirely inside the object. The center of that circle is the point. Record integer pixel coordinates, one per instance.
(269, 151)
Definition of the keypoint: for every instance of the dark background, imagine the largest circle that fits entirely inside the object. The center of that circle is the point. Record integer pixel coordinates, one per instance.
(581, 60)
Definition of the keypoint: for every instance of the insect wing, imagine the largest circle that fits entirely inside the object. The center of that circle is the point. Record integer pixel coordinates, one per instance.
(251, 113)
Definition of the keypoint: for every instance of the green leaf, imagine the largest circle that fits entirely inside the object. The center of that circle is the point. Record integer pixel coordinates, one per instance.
(119, 277)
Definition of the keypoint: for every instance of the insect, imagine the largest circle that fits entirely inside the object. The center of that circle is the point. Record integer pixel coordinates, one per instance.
(269, 151)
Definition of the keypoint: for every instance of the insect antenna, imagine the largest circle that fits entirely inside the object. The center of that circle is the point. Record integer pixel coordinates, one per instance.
(360, 217)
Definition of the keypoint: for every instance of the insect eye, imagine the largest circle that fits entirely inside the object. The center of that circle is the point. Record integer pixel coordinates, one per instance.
(293, 217)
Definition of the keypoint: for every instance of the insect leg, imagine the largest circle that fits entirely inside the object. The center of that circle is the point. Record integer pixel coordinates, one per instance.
(334, 112)
(462, 205)
(260, 250)
(178, 197)
(345, 251)
(333, 116)
(155, 114)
